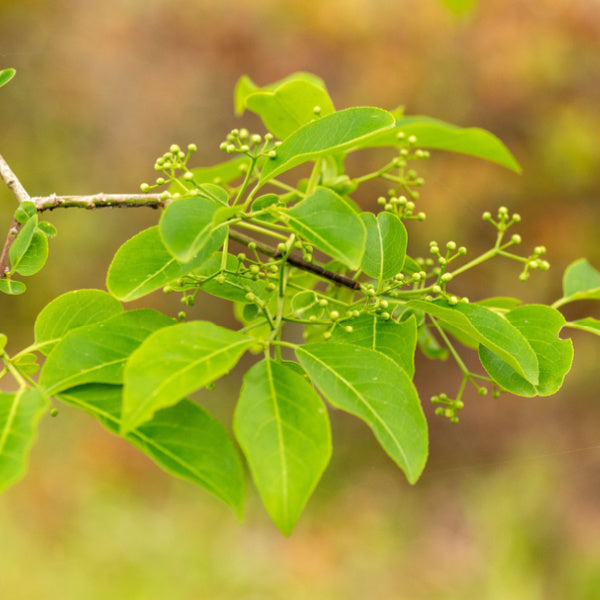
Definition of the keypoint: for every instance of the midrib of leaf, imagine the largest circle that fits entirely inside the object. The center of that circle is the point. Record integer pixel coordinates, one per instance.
(321, 239)
(11, 418)
(381, 253)
(282, 452)
(141, 407)
(370, 408)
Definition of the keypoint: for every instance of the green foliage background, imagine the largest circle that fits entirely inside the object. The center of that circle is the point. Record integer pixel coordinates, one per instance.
(508, 505)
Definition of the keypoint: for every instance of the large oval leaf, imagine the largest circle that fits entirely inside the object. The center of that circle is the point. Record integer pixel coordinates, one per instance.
(19, 415)
(385, 249)
(186, 228)
(184, 440)
(489, 329)
(328, 223)
(339, 132)
(22, 241)
(373, 387)
(283, 428)
(35, 257)
(432, 133)
(143, 264)
(97, 353)
(290, 106)
(540, 325)
(398, 341)
(71, 310)
(174, 362)
(581, 282)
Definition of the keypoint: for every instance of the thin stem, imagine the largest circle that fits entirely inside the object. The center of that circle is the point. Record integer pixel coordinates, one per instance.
(12, 181)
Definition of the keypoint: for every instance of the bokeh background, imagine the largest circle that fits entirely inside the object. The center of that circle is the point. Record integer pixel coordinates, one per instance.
(508, 507)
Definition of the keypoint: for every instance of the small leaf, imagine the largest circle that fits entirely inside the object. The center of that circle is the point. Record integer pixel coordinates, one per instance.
(290, 106)
(71, 310)
(97, 353)
(26, 363)
(305, 305)
(183, 439)
(12, 287)
(186, 227)
(48, 229)
(374, 388)
(398, 341)
(488, 328)
(23, 240)
(6, 75)
(35, 257)
(328, 223)
(174, 362)
(283, 428)
(540, 325)
(581, 281)
(386, 245)
(143, 264)
(588, 324)
(339, 132)
(246, 87)
(432, 133)
(19, 415)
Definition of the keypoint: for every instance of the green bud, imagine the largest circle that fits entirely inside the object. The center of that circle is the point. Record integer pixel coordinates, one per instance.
(516, 238)
(348, 329)
(451, 246)
(250, 297)
(192, 148)
(327, 335)
(334, 314)
(145, 188)
(188, 176)
(220, 278)
(174, 148)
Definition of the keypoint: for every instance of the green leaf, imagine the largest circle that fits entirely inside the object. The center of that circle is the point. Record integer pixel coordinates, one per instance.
(489, 329)
(305, 305)
(12, 287)
(6, 75)
(540, 325)
(143, 264)
(23, 241)
(397, 341)
(373, 387)
(588, 324)
(438, 135)
(245, 87)
(289, 106)
(328, 223)
(339, 132)
(47, 229)
(429, 345)
(26, 363)
(459, 7)
(35, 257)
(183, 439)
(283, 428)
(386, 245)
(97, 353)
(174, 362)
(581, 281)
(186, 227)
(19, 415)
(71, 310)
(502, 303)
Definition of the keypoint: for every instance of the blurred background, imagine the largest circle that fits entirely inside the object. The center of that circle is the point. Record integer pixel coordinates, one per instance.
(508, 507)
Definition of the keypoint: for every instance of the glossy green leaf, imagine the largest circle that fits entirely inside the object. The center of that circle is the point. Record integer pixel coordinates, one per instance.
(438, 135)
(490, 329)
(97, 353)
(19, 415)
(328, 223)
(397, 341)
(373, 387)
(22, 241)
(581, 281)
(283, 428)
(174, 362)
(502, 303)
(12, 287)
(339, 132)
(540, 325)
(71, 310)
(290, 106)
(186, 227)
(385, 249)
(245, 87)
(183, 439)
(6, 75)
(35, 257)
(588, 324)
(143, 264)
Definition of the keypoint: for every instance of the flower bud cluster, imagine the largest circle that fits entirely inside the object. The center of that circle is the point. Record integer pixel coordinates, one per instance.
(168, 164)
(534, 262)
(241, 141)
(448, 407)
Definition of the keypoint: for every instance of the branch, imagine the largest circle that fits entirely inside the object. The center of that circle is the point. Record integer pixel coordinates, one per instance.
(52, 202)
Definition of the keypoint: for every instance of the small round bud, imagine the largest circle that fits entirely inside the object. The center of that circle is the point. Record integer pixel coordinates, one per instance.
(192, 148)
(281, 247)
(327, 335)
(451, 246)
(486, 216)
(230, 148)
(516, 238)
(145, 187)
(524, 276)
(412, 139)
(271, 154)
(462, 250)
(348, 329)
(453, 300)
(254, 269)
(334, 314)
(421, 216)
(220, 278)
(516, 218)
(53, 412)
(250, 297)
(271, 287)
(317, 110)
(174, 148)
(481, 391)
(244, 133)
(255, 138)
(181, 315)
(381, 201)
(446, 277)
(400, 135)
(436, 289)
(323, 302)
(539, 250)
(188, 176)
(385, 316)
